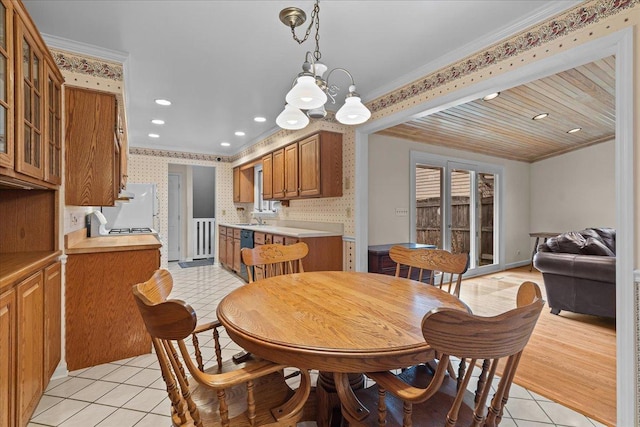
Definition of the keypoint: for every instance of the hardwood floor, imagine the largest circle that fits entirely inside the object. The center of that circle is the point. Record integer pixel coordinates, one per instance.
(570, 358)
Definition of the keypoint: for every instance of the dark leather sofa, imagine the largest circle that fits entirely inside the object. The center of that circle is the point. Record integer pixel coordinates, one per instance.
(579, 271)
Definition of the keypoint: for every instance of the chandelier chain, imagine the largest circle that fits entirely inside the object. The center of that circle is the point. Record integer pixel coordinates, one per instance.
(314, 15)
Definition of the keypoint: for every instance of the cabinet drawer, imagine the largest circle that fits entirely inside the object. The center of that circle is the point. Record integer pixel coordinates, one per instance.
(236, 233)
(259, 238)
(278, 240)
(222, 231)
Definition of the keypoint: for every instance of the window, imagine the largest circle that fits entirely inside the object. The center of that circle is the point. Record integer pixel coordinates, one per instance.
(260, 205)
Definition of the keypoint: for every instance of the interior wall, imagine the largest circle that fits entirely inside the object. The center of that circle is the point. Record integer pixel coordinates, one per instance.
(390, 187)
(574, 191)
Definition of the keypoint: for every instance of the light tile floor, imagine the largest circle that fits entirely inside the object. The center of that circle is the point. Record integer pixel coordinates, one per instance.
(131, 392)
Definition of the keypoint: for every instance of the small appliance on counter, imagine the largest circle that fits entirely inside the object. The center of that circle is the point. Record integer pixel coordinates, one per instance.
(96, 224)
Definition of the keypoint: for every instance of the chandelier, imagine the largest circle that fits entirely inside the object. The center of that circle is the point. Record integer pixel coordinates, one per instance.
(310, 90)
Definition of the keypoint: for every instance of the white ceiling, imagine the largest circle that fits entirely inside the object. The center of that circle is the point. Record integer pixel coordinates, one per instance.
(223, 62)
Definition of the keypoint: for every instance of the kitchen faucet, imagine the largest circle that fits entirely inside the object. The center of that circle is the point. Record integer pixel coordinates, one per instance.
(259, 220)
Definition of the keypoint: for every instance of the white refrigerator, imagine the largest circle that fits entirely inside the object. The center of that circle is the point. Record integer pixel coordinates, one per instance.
(140, 211)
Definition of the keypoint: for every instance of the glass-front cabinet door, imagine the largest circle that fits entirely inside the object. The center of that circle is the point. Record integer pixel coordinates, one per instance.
(29, 104)
(53, 153)
(6, 84)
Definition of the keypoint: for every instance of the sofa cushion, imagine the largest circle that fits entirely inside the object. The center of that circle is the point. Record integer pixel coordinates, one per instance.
(596, 247)
(590, 241)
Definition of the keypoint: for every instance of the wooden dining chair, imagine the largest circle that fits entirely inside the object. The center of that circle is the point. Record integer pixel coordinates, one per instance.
(271, 260)
(445, 269)
(252, 393)
(432, 398)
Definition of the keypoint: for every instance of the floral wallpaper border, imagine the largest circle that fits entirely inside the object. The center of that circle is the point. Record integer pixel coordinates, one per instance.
(93, 67)
(576, 18)
(177, 154)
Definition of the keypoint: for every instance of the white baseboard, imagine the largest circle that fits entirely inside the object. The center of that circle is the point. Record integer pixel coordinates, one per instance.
(517, 264)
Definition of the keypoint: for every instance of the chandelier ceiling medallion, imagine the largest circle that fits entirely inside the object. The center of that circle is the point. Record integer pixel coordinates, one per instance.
(311, 91)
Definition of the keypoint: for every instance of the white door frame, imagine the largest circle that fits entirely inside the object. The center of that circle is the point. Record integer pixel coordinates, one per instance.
(180, 246)
(621, 44)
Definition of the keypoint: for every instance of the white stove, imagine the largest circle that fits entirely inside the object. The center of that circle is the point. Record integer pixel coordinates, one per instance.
(132, 230)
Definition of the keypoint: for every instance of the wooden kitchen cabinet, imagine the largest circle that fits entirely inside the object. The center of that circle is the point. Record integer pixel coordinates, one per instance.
(102, 321)
(53, 126)
(7, 157)
(222, 245)
(308, 168)
(29, 346)
(92, 157)
(30, 120)
(229, 263)
(291, 171)
(267, 177)
(243, 185)
(26, 67)
(277, 176)
(52, 320)
(237, 257)
(7, 357)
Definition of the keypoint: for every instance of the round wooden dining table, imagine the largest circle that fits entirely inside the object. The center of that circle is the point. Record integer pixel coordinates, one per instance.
(334, 321)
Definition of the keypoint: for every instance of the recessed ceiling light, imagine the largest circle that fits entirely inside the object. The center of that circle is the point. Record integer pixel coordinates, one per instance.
(259, 119)
(225, 144)
(540, 116)
(163, 102)
(574, 130)
(154, 135)
(491, 96)
(239, 133)
(157, 122)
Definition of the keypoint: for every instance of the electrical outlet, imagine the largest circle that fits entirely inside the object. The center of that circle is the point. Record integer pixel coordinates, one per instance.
(73, 219)
(347, 183)
(348, 212)
(224, 212)
(402, 211)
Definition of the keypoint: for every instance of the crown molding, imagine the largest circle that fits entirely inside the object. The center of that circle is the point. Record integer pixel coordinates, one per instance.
(542, 14)
(85, 49)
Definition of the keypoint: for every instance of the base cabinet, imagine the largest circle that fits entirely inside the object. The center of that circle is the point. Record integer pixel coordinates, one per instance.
(102, 322)
(7, 357)
(29, 346)
(52, 320)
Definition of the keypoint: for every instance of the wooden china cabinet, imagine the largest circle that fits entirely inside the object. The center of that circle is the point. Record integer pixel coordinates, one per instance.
(30, 174)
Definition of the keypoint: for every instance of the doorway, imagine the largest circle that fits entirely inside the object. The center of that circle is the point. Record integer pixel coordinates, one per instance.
(456, 207)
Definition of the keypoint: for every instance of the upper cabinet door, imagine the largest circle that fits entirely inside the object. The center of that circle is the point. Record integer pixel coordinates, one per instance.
(53, 153)
(309, 166)
(267, 177)
(90, 121)
(291, 171)
(6, 84)
(29, 104)
(277, 175)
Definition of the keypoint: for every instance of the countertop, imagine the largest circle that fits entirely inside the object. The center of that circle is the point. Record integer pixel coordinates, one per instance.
(77, 242)
(284, 231)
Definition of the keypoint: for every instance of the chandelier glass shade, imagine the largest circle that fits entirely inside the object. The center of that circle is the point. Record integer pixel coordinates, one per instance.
(310, 90)
(292, 118)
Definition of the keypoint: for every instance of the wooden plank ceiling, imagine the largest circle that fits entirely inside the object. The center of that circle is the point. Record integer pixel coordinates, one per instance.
(583, 97)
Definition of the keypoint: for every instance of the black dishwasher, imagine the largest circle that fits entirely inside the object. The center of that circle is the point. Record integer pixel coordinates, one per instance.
(246, 241)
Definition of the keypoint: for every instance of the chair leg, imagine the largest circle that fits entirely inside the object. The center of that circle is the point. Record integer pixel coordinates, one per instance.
(482, 379)
(406, 418)
(461, 370)
(382, 407)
